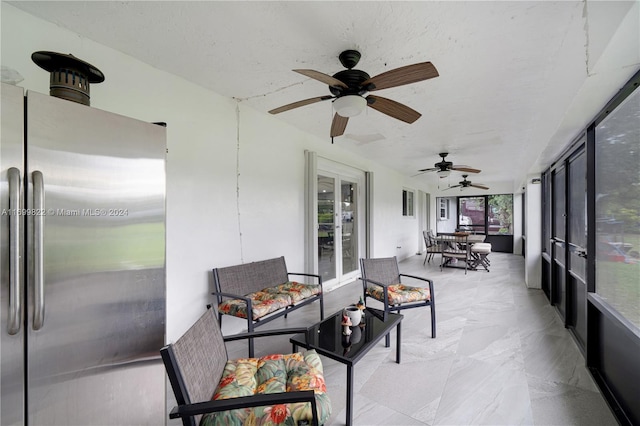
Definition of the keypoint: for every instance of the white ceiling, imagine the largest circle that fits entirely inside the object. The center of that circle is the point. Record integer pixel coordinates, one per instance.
(518, 80)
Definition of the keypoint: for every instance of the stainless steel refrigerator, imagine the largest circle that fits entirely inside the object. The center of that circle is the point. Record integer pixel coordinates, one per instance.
(82, 264)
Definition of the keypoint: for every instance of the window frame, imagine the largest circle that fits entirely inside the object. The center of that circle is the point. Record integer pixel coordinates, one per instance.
(485, 226)
(443, 208)
(408, 202)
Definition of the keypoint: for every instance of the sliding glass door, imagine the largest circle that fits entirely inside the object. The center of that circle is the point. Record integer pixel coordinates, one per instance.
(327, 227)
(339, 227)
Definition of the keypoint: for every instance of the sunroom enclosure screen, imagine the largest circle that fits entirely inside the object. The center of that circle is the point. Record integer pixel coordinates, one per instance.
(472, 214)
(592, 196)
(618, 209)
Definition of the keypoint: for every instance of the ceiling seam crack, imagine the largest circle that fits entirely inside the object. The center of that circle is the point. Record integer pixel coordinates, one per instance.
(585, 14)
(269, 93)
(238, 178)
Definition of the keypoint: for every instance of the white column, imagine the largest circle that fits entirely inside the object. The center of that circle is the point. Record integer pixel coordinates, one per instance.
(533, 233)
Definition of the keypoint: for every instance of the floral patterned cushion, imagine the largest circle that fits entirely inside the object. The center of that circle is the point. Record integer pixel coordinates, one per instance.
(400, 293)
(262, 303)
(271, 374)
(295, 290)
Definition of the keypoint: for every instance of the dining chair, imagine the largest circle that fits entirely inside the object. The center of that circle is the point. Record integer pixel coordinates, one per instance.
(455, 249)
(432, 246)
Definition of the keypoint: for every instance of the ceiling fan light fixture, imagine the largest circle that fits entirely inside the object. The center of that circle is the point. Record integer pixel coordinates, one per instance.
(349, 105)
(443, 173)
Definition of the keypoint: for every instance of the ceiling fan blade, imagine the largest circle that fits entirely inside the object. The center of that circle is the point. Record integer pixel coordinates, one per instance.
(401, 76)
(465, 169)
(477, 185)
(338, 125)
(432, 169)
(393, 109)
(299, 104)
(322, 77)
(454, 186)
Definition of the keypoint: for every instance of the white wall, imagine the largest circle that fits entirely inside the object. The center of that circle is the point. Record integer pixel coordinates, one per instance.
(235, 176)
(447, 225)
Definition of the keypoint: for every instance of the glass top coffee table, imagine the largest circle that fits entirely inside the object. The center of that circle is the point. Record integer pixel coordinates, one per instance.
(327, 338)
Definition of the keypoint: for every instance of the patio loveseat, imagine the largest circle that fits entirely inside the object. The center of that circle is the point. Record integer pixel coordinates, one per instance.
(263, 291)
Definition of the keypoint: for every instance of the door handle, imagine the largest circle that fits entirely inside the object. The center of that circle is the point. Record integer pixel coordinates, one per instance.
(581, 253)
(38, 250)
(15, 298)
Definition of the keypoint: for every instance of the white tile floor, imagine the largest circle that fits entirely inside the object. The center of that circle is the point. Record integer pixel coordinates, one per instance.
(501, 357)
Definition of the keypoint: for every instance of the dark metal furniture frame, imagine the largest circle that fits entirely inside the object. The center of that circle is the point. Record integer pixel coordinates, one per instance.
(327, 340)
(206, 360)
(480, 259)
(384, 272)
(235, 282)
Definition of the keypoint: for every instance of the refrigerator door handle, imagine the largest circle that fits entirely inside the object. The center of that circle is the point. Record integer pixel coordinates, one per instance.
(15, 299)
(38, 249)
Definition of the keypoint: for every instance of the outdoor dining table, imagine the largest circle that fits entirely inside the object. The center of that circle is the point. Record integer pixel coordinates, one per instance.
(471, 238)
(453, 241)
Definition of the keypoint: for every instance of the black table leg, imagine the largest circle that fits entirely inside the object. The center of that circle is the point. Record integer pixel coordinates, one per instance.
(349, 394)
(398, 340)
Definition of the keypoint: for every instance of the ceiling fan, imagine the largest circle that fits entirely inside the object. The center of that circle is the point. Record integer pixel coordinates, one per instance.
(466, 184)
(349, 90)
(444, 167)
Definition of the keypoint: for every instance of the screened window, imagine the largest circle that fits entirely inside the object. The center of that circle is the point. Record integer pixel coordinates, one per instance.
(472, 214)
(578, 201)
(546, 213)
(491, 214)
(577, 213)
(559, 204)
(618, 208)
(500, 214)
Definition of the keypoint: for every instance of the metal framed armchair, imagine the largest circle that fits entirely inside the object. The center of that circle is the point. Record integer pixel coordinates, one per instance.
(382, 281)
(212, 390)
